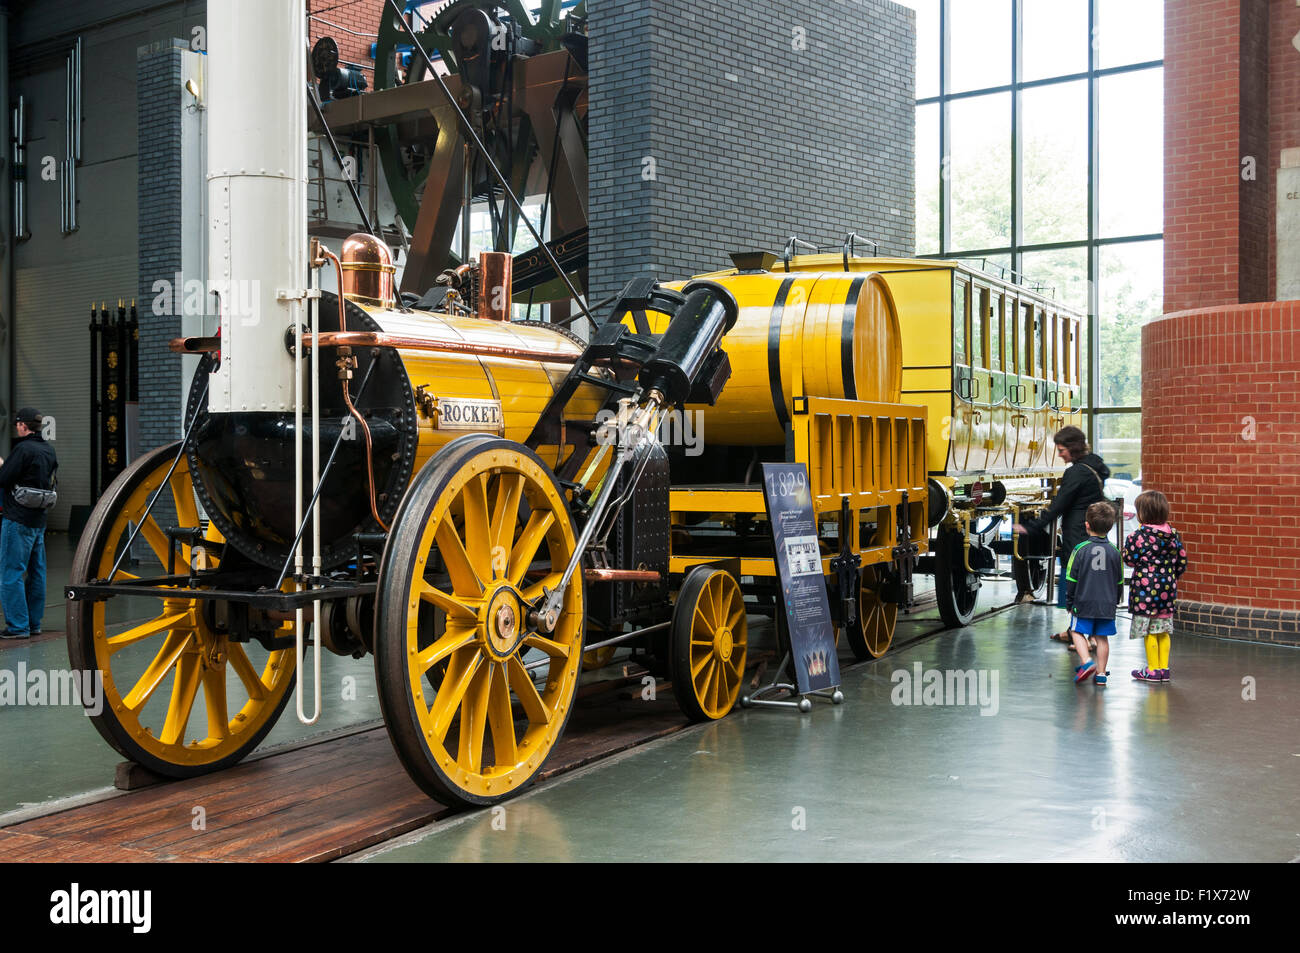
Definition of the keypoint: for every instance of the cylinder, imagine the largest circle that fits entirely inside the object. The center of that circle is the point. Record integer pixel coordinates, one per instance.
(708, 312)
(257, 196)
(368, 270)
(817, 334)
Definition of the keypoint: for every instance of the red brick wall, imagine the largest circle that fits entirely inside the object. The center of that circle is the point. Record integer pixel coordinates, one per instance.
(1202, 54)
(1211, 379)
(359, 16)
(1255, 202)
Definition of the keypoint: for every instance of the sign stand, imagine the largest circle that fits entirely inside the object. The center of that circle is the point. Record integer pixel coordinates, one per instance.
(803, 610)
(758, 698)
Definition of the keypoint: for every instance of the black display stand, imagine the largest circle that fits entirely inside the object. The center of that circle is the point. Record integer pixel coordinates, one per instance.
(803, 609)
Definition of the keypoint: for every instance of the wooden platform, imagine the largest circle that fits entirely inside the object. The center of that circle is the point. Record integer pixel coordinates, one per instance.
(318, 802)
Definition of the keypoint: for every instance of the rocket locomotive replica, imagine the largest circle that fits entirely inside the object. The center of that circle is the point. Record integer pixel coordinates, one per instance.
(482, 504)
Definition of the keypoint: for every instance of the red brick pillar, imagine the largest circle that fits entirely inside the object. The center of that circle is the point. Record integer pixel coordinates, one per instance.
(1221, 439)
(1219, 158)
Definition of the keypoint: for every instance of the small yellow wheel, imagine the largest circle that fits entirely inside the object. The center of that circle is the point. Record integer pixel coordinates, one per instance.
(870, 636)
(593, 659)
(481, 535)
(244, 686)
(709, 643)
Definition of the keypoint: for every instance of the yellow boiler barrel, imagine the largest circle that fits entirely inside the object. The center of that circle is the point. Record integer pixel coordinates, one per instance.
(457, 394)
(801, 334)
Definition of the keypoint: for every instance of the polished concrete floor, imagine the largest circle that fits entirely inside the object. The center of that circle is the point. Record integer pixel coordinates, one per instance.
(1027, 767)
(1188, 771)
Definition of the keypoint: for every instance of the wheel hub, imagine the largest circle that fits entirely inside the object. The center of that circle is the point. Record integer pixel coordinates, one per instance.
(502, 622)
(723, 643)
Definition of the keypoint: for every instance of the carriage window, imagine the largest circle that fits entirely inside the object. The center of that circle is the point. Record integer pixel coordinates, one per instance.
(1040, 365)
(979, 318)
(995, 333)
(1067, 335)
(1027, 341)
(959, 309)
(1078, 365)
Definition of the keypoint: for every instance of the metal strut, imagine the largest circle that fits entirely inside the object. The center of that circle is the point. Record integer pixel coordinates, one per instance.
(467, 130)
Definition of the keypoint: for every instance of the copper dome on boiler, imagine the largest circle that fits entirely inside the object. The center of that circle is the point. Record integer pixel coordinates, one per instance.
(368, 270)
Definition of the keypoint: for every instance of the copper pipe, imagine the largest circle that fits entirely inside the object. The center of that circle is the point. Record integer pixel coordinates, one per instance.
(607, 575)
(621, 575)
(194, 345)
(384, 339)
(347, 397)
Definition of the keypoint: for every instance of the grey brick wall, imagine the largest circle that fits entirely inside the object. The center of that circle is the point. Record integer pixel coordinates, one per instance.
(158, 77)
(763, 120)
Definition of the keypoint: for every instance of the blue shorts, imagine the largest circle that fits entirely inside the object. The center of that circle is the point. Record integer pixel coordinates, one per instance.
(1094, 627)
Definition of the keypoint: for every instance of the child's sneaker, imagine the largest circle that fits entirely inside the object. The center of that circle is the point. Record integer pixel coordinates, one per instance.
(1083, 671)
(1146, 675)
(1164, 674)
(1100, 679)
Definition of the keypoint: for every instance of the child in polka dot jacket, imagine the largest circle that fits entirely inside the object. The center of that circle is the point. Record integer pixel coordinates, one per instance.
(1157, 556)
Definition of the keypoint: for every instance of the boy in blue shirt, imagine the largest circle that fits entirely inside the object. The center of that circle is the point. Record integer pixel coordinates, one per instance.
(1092, 592)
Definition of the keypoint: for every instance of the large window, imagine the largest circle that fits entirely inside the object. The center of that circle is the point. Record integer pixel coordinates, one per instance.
(1039, 148)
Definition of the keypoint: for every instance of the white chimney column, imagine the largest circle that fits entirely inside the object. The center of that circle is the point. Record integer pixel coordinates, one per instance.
(1288, 226)
(257, 196)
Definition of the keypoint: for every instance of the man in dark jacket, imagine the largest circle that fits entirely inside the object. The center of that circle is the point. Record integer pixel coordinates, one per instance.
(1081, 486)
(30, 466)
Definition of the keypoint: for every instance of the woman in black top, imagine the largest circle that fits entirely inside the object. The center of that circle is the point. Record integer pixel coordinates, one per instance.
(1082, 485)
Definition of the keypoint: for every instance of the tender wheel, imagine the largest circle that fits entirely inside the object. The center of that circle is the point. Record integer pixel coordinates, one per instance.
(956, 588)
(481, 531)
(872, 633)
(244, 687)
(594, 659)
(710, 643)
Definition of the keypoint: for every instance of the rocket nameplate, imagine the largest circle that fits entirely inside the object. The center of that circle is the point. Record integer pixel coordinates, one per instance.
(464, 413)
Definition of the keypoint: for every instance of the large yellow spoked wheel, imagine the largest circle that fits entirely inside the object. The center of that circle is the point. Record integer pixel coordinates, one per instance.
(155, 667)
(872, 632)
(480, 534)
(709, 643)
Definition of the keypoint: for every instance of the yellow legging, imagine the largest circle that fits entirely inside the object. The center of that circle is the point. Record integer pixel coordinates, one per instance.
(1157, 651)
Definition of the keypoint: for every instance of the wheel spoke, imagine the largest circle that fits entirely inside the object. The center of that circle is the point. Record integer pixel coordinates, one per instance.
(453, 641)
(473, 719)
(460, 607)
(185, 688)
(697, 668)
(173, 646)
(478, 531)
(505, 513)
(253, 684)
(156, 539)
(464, 580)
(521, 683)
(707, 628)
(460, 672)
(214, 698)
(165, 621)
(182, 487)
(715, 682)
(534, 592)
(549, 646)
(501, 719)
(737, 617)
(530, 540)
